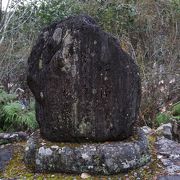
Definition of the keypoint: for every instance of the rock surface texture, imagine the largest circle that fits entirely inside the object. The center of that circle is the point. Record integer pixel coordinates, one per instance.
(6, 138)
(86, 87)
(95, 158)
(175, 177)
(165, 130)
(176, 130)
(169, 154)
(5, 155)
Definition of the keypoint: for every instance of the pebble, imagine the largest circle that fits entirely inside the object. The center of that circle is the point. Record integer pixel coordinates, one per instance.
(159, 156)
(85, 175)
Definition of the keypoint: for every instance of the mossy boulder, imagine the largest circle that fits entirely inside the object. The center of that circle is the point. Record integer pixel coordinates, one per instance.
(86, 87)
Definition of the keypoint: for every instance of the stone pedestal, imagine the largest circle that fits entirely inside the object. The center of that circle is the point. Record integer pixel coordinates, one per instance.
(95, 158)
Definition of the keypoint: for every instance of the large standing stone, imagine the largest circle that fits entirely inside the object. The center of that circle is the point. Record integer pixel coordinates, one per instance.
(86, 87)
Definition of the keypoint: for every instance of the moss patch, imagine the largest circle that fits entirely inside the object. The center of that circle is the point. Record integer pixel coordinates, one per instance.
(17, 169)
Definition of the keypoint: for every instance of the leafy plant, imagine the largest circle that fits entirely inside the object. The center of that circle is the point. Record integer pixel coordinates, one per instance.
(162, 118)
(13, 116)
(5, 97)
(165, 117)
(176, 109)
(17, 118)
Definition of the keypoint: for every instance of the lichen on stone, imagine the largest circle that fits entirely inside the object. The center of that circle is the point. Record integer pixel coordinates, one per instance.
(45, 151)
(57, 36)
(40, 64)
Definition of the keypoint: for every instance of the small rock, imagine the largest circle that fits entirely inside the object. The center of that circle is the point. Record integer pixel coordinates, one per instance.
(159, 165)
(85, 175)
(85, 156)
(146, 129)
(176, 130)
(159, 156)
(165, 130)
(55, 147)
(2, 146)
(166, 162)
(135, 174)
(160, 128)
(12, 137)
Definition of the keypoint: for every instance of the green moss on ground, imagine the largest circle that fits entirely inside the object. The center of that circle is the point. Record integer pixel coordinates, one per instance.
(17, 169)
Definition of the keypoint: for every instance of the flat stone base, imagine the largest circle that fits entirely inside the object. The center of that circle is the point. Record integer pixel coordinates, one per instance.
(97, 158)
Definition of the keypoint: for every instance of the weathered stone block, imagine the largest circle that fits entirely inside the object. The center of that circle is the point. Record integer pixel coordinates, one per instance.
(86, 87)
(94, 158)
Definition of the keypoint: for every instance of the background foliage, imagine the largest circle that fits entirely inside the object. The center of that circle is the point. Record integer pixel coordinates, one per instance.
(147, 29)
(14, 116)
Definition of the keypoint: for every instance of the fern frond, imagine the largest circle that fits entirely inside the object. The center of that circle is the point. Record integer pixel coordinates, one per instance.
(15, 116)
(5, 97)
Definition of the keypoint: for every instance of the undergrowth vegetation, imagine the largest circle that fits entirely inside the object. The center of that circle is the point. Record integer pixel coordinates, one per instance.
(147, 29)
(171, 114)
(13, 116)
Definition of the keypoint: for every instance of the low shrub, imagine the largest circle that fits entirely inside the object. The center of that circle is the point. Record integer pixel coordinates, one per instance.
(13, 116)
(162, 118)
(176, 109)
(165, 117)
